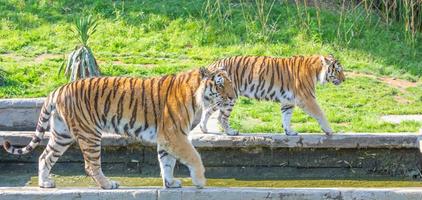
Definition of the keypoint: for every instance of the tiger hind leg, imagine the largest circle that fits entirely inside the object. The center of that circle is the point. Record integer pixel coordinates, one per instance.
(167, 163)
(59, 142)
(287, 112)
(183, 150)
(90, 144)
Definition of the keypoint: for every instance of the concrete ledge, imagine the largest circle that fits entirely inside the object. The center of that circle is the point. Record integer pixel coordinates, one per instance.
(22, 103)
(27, 193)
(19, 114)
(317, 140)
(340, 141)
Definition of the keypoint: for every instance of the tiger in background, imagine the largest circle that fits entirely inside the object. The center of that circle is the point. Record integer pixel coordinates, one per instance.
(157, 110)
(290, 81)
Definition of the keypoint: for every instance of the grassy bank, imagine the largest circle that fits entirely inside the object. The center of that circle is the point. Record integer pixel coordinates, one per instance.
(151, 38)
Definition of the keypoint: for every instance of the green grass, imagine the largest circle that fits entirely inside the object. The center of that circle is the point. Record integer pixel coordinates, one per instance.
(152, 38)
(84, 181)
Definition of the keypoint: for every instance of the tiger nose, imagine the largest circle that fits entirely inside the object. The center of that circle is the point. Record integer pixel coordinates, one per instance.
(336, 82)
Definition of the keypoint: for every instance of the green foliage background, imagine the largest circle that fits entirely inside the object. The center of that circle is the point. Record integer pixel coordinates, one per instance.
(152, 38)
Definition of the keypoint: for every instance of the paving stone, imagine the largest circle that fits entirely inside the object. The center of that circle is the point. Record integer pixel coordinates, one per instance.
(28, 193)
(400, 118)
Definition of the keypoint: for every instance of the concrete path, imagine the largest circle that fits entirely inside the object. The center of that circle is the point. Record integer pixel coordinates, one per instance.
(212, 125)
(400, 118)
(28, 193)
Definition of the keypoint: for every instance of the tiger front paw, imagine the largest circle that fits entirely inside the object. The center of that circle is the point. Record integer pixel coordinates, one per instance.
(110, 185)
(199, 182)
(175, 183)
(232, 132)
(290, 133)
(47, 184)
(198, 176)
(328, 132)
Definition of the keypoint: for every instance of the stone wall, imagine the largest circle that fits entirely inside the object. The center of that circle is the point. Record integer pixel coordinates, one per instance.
(248, 157)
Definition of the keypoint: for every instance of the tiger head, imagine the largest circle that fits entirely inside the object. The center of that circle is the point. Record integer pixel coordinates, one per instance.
(334, 71)
(216, 88)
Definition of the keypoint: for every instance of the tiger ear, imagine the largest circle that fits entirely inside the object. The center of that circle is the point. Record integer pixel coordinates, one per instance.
(204, 73)
(329, 59)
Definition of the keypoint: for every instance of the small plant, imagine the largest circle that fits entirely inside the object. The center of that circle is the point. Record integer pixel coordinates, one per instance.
(81, 62)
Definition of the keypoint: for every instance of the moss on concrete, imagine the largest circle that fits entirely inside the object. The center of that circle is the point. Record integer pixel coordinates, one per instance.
(84, 181)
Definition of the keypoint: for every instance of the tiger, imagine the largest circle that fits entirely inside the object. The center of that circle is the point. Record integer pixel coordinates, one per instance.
(289, 81)
(157, 110)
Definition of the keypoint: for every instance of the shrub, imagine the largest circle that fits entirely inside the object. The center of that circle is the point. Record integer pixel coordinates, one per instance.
(81, 62)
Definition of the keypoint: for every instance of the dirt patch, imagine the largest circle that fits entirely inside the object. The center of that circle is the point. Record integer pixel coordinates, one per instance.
(358, 74)
(400, 84)
(39, 59)
(343, 123)
(250, 123)
(397, 83)
(13, 57)
(46, 56)
(120, 63)
(143, 65)
(401, 100)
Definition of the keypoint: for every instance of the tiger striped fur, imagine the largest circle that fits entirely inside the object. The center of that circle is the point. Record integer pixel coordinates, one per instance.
(157, 110)
(290, 81)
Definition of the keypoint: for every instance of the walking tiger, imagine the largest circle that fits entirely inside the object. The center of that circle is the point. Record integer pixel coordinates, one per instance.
(159, 110)
(290, 81)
